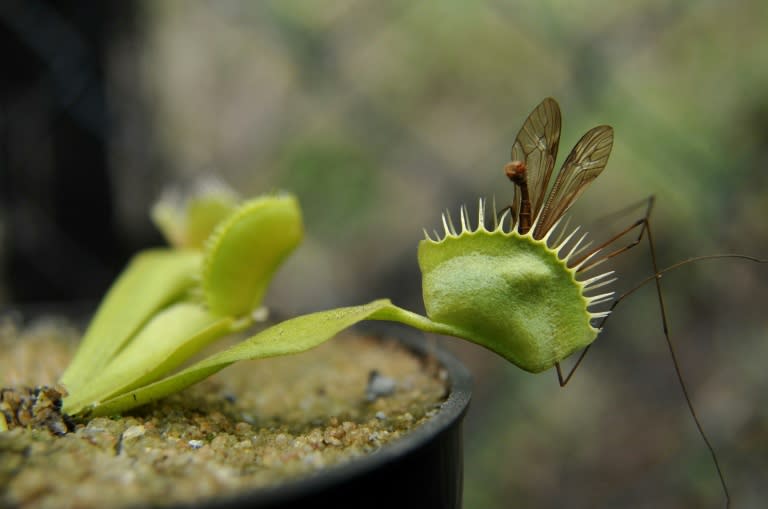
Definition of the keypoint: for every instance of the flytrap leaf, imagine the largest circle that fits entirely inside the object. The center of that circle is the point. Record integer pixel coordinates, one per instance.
(170, 338)
(152, 280)
(170, 303)
(246, 249)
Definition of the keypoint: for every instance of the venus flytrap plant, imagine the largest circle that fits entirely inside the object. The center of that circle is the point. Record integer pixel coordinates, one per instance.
(510, 287)
(170, 303)
(478, 285)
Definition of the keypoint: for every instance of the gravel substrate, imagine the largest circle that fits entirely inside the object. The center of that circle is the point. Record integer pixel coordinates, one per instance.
(254, 424)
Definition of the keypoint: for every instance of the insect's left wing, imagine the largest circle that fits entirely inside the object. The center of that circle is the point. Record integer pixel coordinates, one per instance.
(585, 162)
(536, 146)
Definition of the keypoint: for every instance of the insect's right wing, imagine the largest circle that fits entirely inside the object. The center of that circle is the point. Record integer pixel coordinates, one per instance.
(536, 146)
(585, 162)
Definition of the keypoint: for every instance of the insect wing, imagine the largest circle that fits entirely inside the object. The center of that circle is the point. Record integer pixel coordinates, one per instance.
(585, 162)
(536, 146)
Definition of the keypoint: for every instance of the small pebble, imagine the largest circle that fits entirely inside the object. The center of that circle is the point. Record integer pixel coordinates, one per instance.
(133, 432)
(379, 386)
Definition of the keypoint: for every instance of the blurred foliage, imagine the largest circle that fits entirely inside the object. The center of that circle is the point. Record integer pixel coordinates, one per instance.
(382, 114)
(321, 173)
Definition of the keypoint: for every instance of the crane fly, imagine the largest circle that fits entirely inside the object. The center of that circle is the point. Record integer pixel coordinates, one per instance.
(537, 207)
(533, 158)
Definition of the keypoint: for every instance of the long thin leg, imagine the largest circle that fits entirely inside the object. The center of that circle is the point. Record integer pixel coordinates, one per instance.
(665, 325)
(564, 380)
(643, 223)
(656, 277)
(639, 223)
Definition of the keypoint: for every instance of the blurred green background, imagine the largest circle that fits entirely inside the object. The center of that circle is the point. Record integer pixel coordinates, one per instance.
(380, 115)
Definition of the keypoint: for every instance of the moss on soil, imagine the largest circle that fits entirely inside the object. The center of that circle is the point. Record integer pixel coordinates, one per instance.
(254, 424)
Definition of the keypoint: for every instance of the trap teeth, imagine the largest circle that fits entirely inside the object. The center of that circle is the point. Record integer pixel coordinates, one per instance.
(601, 284)
(565, 241)
(505, 223)
(481, 214)
(600, 299)
(591, 283)
(451, 228)
(582, 265)
(555, 226)
(448, 230)
(464, 219)
(575, 246)
(504, 216)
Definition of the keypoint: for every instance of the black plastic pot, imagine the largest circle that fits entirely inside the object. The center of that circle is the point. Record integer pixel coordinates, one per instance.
(421, 470)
